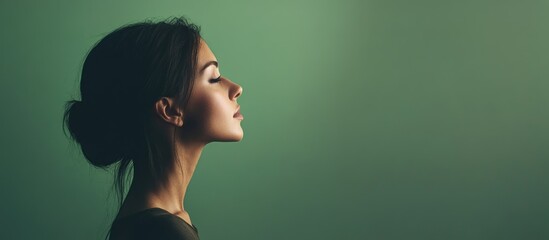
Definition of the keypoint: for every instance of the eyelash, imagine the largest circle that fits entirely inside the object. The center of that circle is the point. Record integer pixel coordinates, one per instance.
(216, 79)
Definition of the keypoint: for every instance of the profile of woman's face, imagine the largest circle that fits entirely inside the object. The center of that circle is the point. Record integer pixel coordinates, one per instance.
(213, 102)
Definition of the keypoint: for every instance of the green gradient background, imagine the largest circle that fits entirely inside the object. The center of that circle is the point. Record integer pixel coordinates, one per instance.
(363, 119)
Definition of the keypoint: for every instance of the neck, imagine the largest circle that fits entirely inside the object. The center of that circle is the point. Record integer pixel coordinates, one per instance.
(169, 194)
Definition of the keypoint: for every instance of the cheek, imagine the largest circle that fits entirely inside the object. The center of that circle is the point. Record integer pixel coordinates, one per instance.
(211, 107)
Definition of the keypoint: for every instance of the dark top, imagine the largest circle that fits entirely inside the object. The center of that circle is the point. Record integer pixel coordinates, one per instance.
(152, 223)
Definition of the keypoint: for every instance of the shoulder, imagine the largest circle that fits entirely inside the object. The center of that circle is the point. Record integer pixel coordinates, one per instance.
(166, 227)
(157, 224)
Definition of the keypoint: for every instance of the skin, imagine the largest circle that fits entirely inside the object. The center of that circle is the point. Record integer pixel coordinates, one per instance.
(208, 118)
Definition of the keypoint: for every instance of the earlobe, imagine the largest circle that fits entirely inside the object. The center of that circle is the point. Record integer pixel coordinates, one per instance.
(178, 115)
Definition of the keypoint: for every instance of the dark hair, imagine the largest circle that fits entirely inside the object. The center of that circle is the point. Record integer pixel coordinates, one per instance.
(123, 75)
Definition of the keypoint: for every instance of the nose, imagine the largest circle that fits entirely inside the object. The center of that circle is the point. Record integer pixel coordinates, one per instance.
(238, 91)
(235, 90)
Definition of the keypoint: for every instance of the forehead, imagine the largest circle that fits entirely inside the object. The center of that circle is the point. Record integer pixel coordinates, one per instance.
(204, 53)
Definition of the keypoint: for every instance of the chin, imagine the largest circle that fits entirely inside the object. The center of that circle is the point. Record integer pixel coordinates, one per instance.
(235, 136)
(235, 139)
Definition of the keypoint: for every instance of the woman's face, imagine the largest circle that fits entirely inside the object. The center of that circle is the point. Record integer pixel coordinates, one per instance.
(212, 106)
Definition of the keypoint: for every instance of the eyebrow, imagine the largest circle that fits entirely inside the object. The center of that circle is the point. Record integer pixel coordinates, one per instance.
(208, 64)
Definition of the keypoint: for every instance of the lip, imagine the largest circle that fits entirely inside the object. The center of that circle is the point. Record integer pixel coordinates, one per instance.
(237, 114)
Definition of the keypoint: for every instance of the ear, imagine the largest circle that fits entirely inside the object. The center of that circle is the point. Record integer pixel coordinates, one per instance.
(166, 109)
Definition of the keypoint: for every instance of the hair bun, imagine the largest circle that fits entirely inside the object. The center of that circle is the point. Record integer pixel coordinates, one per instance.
(90, 127)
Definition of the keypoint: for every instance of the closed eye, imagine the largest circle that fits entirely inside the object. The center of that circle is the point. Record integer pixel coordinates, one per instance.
(216, 79)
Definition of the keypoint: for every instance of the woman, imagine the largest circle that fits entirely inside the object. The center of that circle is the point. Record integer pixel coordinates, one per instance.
(152, 96)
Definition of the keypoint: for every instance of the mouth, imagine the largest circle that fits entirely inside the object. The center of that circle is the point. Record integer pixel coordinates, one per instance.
(237, 114)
